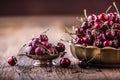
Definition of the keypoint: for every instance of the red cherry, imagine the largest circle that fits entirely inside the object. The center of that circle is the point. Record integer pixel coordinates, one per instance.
(43, 37)
(30, 50)
(39, 51)
(65, 62)
(60, 47)
(97, 25)
(110, 34)
(53, 51)
(103, 17)
(101, 37)
(107, 43)
(98, 43)
(12, 60)
(83, 64)
(79, 40)
(92, 17)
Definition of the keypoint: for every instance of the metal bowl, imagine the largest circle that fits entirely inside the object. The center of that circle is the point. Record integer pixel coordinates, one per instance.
(98, 56)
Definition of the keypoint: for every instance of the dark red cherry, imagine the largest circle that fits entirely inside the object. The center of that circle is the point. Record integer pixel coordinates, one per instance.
(83, 64)
(101, 37)
(92, 17)
(97, 25)
(85, 25)
(43, 37)
(29, 43)
(65, 62)
(107, 43)
(103, 17)
(116, 43)
(98, 43)
(53, 51)
(111, 16)
(60, 47)
(12, 60)
(110, 35)
(39, 51)
(79, 40)
(30, 50)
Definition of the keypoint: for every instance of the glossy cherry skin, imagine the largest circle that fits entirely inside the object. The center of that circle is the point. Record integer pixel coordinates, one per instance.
(116, 43)
(101, 37)
(46, 44)
(43, 37)
(82, 64)
(103, 17)
(60, 47)
(29, 50)
(107, 43)
(52, 51)
(85, 25)
(97, 25)
(65, 62)
(79, 40)
(92, 17)
(12, 60)
(98, 43)
(110, 35)
(39, 51)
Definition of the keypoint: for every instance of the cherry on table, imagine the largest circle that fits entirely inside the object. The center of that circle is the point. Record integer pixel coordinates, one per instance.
(65, 62)
(12, 60)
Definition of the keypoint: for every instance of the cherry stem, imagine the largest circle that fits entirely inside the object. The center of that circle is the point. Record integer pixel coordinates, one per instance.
(85, 13)
(108, 8)
(114, 4)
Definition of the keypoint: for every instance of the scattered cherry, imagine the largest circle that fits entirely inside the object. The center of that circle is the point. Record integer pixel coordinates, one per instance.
(65, 62)
(12, 60)
(83, 64)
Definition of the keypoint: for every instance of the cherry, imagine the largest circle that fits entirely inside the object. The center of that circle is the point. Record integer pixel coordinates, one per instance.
(107, 43)
(46, 44)
(98, 43)
(12, 60)
(43, 37)
(80, 32)
(101, 37)
(53, 51)
(115, 43)
(30, 50)
(110, 34)
(29, 43)
(86, 25)
(65, 62)
(97, 25)
(60, 47)
(79, 40)
(92, 17)
(111, 16)
(39, 51)
(103, 17)
(83, 64)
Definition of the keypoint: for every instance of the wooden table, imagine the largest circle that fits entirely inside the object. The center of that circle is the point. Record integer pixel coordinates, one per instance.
(15, 31)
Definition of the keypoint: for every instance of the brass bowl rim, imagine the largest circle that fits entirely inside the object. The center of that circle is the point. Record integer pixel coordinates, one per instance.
(79, 45)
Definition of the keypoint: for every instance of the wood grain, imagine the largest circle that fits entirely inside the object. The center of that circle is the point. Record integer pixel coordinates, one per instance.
(15, 31)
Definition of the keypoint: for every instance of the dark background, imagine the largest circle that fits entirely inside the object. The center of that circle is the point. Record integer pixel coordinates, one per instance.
(53, 7)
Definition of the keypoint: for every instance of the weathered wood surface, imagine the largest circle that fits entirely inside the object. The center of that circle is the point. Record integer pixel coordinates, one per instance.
(12, 38)
(24, 70)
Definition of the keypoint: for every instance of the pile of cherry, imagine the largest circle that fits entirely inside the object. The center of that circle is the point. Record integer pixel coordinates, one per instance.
(40, 46)
(100, 30)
